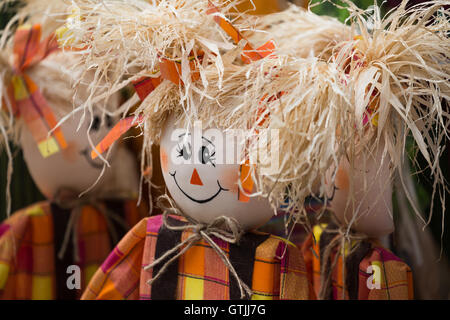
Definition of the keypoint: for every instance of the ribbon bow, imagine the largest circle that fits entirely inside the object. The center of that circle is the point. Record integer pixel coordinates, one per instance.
(225, 228)
(26, 98)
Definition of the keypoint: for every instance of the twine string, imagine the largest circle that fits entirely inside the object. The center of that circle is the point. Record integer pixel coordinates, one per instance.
(225, 228)
(340, 241)
(67, 199)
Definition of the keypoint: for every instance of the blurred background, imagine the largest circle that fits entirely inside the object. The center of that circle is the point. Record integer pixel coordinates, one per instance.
(24, 191)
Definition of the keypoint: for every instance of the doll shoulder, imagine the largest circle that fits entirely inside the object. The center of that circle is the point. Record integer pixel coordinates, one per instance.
(274, 245)
(282, 251)
(36, 214)
(119, 276)
(294, 281)
(30, 226)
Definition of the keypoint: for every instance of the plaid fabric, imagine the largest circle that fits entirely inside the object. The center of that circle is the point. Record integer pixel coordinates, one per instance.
(30, 240)
(200, 273)
(372, 272)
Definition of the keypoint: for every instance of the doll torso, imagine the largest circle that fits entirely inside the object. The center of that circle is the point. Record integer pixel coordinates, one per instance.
(199, 273)
(32, 238)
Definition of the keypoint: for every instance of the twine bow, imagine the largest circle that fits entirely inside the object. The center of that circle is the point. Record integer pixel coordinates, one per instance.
(68, 199)
(224, 228)
(344, 238)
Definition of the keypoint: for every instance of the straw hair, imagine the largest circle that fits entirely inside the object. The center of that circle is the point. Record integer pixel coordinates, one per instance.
(228, 94)
(53, 75)
(125, 35)
(50, 14)
(403, 60)
(323, 86)
(299, 32)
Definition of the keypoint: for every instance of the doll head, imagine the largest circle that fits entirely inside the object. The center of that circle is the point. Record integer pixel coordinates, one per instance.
(57, 166)
(362, 195)
(42, 85)
(201, 183)
(72, 167)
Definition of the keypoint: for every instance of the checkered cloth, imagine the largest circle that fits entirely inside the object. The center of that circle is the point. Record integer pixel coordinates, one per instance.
(31, 239)
(199, 273)
(372, 272)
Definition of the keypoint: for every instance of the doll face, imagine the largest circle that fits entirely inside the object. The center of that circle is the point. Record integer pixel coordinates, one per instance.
(368, 198)
(201, 183)
(71, 167)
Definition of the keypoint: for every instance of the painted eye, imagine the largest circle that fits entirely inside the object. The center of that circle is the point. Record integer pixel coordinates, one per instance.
(184, 151)
(96, 123)
(109, 121)
(206, 156)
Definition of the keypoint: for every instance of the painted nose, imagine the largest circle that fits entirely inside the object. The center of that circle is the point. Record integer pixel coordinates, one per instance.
(195, 178)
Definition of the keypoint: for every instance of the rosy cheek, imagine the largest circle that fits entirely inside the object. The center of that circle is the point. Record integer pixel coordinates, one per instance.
(164, 160)
(342, 181)
(228, 178)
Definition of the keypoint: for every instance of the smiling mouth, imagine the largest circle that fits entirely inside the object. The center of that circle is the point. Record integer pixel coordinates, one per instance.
(91, 162)
(197, 200)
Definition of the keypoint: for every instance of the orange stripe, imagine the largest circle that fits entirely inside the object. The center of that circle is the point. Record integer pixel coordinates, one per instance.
(246, 182)
(195, 260)
(115, 133)
(263, 275)
(26, 43)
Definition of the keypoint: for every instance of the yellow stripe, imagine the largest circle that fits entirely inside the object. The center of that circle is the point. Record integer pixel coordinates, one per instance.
(284, 240)
(4, 272)
(48, 147)
(193, 289)
(318, 229)
(89, 272)
(256, 296)
(25, 26)
(378, 273)
(64, 34)
(42, 288)
(20, 90)
(35, 211)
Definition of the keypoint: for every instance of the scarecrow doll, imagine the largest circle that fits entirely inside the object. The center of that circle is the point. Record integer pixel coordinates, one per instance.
(350, 226)
(200, 80)
(88, 208)
(394, 72)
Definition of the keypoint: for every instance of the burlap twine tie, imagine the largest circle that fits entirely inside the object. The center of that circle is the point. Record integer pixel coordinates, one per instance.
(345, 241)
(69, 200)
(224, 228)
